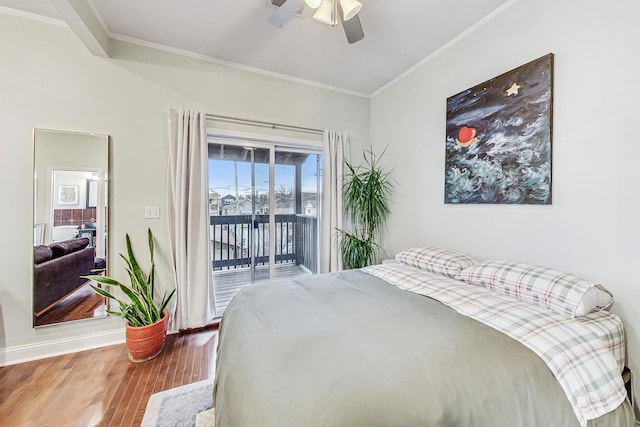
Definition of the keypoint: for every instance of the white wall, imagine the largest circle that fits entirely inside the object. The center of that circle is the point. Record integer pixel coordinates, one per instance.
(591, 229)
(49, 80)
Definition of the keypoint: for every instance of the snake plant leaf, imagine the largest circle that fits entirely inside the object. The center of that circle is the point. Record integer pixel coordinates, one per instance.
(166, 300)
(114, 313)
(152, 245)
(138, 306)
(105, 280)
(133, 263)
(102, 292)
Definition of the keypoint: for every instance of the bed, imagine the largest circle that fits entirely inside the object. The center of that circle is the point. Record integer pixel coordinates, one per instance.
(423, 341)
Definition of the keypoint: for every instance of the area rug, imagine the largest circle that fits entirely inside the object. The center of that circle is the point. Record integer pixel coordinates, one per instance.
(186, 406)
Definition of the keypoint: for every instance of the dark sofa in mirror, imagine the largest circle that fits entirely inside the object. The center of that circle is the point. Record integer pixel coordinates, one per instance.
(58, 268)
(70, 224)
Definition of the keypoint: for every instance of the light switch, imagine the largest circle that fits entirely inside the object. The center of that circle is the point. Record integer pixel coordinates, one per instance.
(152, 212)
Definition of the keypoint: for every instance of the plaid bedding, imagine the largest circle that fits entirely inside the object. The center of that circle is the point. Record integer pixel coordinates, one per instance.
(608, 327)
(581, 353)
(436, 260)
(560, 292)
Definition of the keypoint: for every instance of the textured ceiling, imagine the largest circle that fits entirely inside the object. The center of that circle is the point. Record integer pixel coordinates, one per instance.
(399, 34)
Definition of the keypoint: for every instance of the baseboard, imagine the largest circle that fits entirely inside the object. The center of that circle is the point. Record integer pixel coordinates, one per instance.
(42, 350)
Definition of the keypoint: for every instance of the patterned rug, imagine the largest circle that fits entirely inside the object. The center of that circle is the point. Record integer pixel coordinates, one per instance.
(186, 406)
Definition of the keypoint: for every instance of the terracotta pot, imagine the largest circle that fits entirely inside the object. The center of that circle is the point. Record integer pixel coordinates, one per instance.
(146, 342)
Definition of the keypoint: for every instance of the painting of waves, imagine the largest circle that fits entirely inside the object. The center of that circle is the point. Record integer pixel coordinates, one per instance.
(498, 142)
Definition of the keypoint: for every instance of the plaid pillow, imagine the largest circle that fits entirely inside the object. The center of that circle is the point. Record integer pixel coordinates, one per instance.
(435, 260)
(560, 292)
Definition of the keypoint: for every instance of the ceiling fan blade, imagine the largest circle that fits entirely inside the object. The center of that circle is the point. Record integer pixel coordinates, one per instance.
(285, 12)
(352, 28)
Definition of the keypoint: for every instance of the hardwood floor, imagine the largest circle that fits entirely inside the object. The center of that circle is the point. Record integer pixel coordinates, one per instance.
(101, 387)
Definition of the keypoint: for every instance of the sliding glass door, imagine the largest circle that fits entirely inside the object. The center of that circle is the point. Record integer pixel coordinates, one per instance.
(297, 201)
(263, 209)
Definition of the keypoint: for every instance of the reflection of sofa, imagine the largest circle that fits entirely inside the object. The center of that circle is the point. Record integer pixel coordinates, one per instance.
(57, 270)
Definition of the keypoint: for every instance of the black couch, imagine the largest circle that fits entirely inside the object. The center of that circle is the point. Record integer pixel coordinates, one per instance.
(57, 270)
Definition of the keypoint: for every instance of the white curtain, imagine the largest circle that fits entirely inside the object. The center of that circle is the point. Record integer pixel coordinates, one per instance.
(335, 152)
(188, 200)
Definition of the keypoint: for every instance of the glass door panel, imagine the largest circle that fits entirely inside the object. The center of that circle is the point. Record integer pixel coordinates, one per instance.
(239, 218)
(296, 195)
(263, 209)
(260, 199)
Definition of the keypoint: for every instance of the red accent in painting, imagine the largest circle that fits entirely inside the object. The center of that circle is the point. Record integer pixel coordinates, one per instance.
(466, 134)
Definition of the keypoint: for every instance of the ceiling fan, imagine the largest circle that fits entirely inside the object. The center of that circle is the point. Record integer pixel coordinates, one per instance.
(327, 11)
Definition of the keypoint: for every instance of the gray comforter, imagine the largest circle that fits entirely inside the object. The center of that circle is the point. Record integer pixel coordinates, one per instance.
(348, 349)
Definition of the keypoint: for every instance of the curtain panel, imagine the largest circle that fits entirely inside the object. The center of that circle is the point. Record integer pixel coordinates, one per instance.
(335, 152)
(188, 217)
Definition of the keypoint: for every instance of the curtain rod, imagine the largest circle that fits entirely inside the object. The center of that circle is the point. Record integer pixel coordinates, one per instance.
(261, 123)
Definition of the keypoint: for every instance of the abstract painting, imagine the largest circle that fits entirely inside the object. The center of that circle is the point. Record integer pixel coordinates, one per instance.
(498, 142)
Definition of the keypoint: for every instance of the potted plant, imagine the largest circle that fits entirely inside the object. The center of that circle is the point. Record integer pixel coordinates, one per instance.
(366, 201)
(146, 321)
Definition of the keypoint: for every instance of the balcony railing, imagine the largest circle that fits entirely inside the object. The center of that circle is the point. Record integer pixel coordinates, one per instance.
(233, 236)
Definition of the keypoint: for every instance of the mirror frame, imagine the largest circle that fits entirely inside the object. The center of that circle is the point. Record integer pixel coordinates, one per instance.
(43, 223)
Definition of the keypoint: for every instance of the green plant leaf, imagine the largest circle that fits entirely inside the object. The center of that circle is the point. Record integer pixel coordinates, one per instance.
(357, 252)
(115, 313)
(152, 245)
(151, 291)
(140, 309)
(103, 280)
(366, 195)
(139, 306)
(166, 300)
(102, 292)
(133, 265)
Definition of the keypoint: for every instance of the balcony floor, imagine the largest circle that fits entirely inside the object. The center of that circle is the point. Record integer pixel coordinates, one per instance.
(228, 282)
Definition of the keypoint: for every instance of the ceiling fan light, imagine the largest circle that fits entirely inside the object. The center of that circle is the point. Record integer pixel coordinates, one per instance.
(313, 4)
(324, 13)
(350, 8)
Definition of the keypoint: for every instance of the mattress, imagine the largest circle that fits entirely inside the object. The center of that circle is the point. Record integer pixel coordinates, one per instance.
(350, 349)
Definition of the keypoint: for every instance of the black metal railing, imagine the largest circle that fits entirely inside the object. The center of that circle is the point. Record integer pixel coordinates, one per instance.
(232, 236)
(306, 235)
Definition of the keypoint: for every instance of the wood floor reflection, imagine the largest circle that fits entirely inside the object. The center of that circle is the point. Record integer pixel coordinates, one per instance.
(82, 304)
(101, 387)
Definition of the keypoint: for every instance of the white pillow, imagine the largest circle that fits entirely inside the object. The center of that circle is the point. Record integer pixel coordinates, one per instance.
(595, 299)
(436, 260)
(560, 292)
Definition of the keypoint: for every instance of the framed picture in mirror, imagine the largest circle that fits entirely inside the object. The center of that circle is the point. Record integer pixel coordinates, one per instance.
(67, 194)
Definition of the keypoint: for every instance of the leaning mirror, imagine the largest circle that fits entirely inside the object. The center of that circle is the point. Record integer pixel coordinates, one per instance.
(70, 224)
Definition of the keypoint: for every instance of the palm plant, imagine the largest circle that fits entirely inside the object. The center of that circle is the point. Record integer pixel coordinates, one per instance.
(366, 202)
(140, 309)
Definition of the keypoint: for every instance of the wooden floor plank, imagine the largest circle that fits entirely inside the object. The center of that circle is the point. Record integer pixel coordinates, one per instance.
(101, 387)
